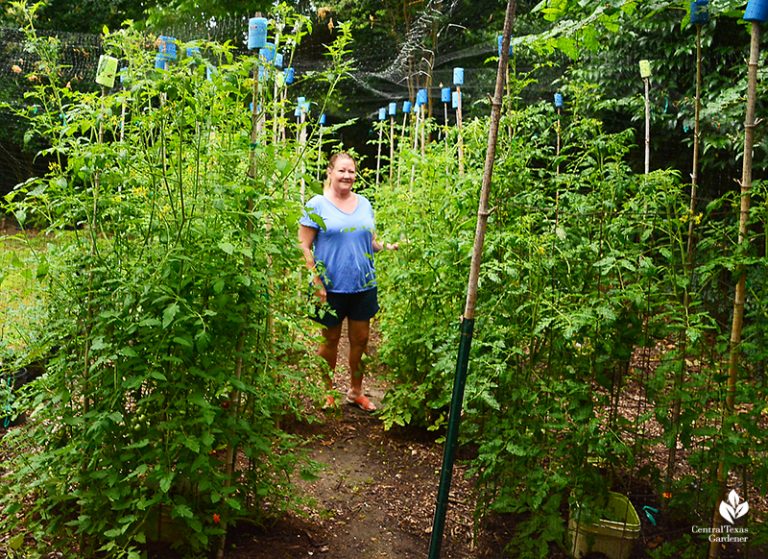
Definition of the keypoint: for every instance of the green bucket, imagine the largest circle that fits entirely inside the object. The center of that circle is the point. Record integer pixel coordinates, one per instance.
(613, 534)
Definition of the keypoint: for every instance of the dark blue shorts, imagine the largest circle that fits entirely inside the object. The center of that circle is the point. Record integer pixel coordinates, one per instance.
(355, 306)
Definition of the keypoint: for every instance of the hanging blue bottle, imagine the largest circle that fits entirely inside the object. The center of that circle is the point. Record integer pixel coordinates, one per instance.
(558, 100)
(383, 113)
(290, 73)
(257, 32)
(421, 97)
(445, 95)
(757, 11)
(321, 120)
(392, 109)
(699, 12)
(406, 107)
(267, 52)
(167, 46)
(458, 76)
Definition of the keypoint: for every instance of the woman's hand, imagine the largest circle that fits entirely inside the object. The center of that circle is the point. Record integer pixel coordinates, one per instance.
(320, 291)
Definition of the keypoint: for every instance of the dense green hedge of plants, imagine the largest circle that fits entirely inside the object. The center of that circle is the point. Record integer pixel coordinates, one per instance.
(174, 329)
(600, 344)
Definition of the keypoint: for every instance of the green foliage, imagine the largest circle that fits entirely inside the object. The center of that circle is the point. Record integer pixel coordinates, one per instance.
(587, 299)
(174, 332)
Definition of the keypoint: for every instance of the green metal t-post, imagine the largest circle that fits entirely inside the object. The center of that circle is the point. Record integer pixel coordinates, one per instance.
(468, 320)
(451, 437)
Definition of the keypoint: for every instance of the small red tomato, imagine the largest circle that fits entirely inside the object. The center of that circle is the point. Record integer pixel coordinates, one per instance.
(225, 404)
(667, 494)
(216, 518)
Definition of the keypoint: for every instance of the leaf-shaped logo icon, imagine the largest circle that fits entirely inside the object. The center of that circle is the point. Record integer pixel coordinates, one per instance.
(733, 508)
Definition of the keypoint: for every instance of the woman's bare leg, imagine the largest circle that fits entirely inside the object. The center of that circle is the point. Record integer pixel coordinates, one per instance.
(329, 350)
(358, 331)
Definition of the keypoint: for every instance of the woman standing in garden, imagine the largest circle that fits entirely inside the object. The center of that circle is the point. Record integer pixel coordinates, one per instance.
(337, 238)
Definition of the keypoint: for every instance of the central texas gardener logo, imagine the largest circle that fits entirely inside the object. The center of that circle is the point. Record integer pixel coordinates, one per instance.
(733, 508)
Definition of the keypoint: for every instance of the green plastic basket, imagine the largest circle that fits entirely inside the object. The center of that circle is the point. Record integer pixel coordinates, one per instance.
(614, 535)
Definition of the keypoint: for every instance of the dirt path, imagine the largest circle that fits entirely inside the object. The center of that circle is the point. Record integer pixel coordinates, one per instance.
(375, 498)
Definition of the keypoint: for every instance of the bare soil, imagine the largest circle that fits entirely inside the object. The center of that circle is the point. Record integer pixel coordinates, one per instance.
(375, 498)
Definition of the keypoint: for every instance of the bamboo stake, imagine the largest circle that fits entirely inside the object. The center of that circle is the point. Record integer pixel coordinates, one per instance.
(378, 153)
(319, 152)
(400, 144)
(458, 126)
(391, 146)
(302, 145)
(646, 85)
(235, 396)
(424, 130)
(468, 320)
(680, 376)
(743, 241)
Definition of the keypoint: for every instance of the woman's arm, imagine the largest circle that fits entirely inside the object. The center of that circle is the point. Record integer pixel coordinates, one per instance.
(306, 239)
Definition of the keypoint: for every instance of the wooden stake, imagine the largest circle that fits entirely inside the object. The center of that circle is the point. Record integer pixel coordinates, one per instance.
(646, 83)
(378, 154)
(680, 375)
(740, 293)
(468, 319)
(458, 126)
(391, 146)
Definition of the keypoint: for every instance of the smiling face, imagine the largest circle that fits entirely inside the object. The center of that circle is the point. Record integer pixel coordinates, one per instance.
(341, 174)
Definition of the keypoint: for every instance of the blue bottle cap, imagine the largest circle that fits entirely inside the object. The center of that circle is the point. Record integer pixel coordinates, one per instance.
(757, 11)
(166, 45)
(458, 76)
(699, 12)
(267, 52)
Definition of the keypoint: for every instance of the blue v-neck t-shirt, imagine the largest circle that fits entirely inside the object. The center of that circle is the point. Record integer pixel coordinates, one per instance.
(343, 249)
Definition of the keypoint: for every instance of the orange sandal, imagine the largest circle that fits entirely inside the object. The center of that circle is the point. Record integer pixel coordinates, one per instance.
(330, 403)
(361, 401)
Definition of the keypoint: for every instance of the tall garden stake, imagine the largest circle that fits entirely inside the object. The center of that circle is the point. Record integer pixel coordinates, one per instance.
(645, 74)
(458, 81)
(382, 118)
(392, 110)
(699, 15)
(757, 12)
(403, 137)
(468, 320)
(257, 36)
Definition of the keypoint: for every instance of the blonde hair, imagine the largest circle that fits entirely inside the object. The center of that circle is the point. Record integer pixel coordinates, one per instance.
(332, 163)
